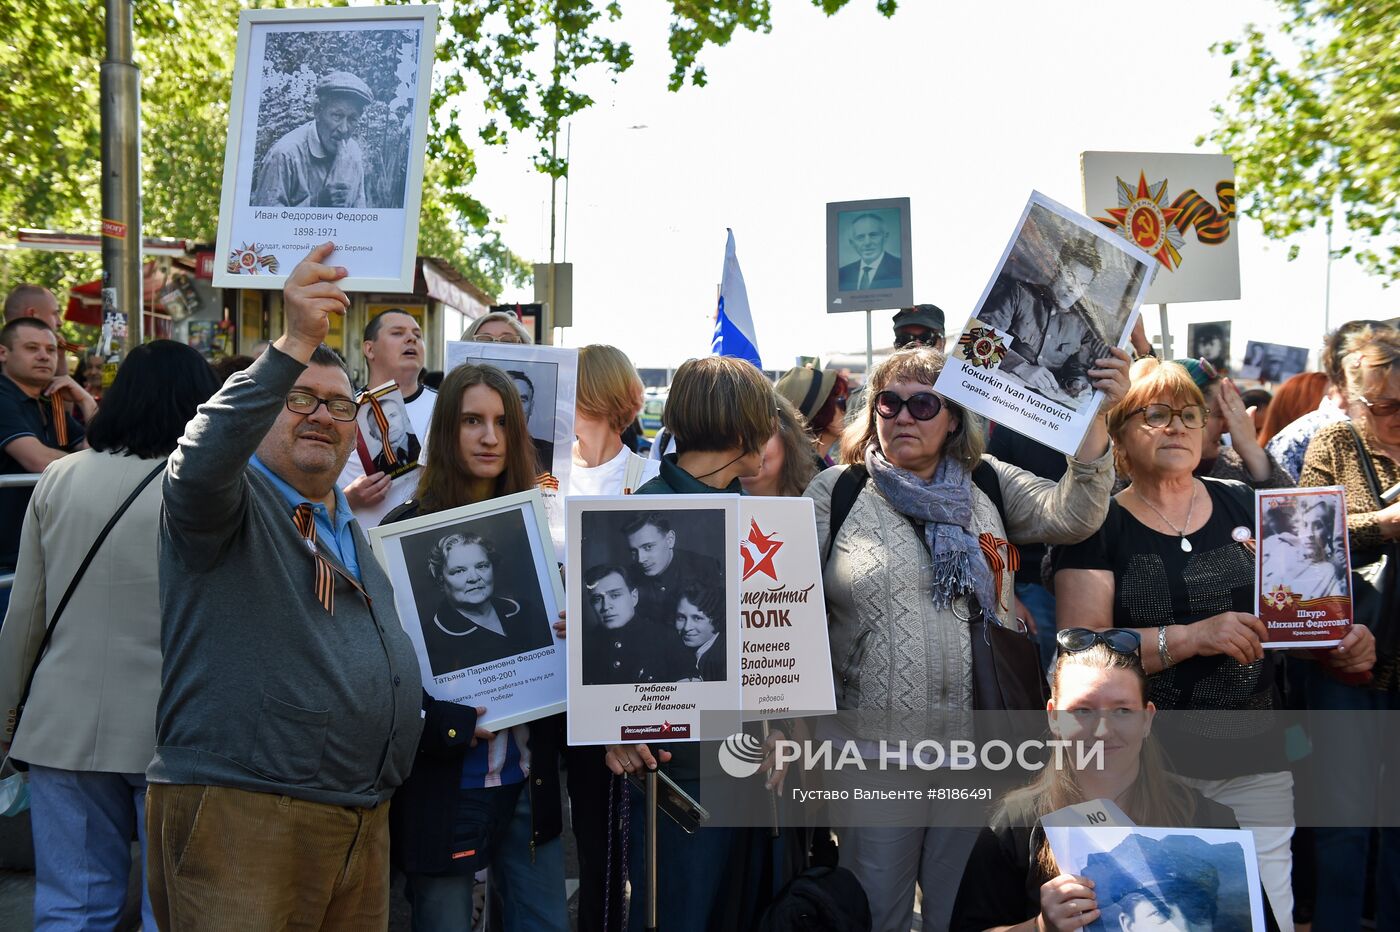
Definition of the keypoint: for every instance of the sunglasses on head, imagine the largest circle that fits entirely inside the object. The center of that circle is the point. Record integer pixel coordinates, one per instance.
(1118, 640)
(924, 406)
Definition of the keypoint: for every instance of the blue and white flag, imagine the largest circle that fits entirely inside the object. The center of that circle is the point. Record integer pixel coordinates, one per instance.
(734, 333)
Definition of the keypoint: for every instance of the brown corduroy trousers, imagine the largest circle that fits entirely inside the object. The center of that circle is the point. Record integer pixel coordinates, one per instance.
(228, 860)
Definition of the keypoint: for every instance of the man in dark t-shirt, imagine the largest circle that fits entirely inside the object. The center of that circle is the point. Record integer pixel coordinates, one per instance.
(35, 428)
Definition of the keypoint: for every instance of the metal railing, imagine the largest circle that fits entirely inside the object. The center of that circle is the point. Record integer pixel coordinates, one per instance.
(15, 481)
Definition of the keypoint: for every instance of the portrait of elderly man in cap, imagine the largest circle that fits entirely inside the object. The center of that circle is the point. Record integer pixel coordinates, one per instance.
(320, 163)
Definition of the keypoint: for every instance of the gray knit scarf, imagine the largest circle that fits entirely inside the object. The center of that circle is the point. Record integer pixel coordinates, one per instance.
(944, 504)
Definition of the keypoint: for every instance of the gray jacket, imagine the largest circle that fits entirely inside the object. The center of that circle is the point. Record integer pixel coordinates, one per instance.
(261, 689)
(891, 649)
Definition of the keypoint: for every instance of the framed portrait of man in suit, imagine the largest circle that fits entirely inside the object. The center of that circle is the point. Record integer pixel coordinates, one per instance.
(868, 255)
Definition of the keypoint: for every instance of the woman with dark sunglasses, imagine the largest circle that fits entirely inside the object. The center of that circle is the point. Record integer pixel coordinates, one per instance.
(1174, 561)
(920, 544)
(1098, 693)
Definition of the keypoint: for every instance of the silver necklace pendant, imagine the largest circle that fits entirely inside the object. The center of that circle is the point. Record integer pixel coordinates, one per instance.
(1185, 544)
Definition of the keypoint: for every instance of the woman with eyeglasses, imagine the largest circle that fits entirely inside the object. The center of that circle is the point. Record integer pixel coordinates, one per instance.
(1339, 455)
(1174, 560)
(497, 327)
(1098, 693)
(904, 569)
(475, 798)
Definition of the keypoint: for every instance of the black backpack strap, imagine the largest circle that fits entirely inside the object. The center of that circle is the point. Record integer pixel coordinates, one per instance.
(984, 476)
(843, 498)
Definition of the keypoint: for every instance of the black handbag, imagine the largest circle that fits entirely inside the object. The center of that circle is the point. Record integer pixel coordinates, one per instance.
(1006, 671)
(1373, 573)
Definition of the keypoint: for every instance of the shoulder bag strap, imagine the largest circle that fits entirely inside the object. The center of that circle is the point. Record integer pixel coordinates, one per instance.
(843, 498)
(1367, 466)
(73, 586)
(984, 476)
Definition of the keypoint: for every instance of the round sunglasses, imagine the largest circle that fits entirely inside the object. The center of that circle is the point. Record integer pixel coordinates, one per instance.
(924, 406)
(1118, 640)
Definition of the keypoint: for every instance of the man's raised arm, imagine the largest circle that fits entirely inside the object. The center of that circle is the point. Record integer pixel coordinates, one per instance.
(204, 486)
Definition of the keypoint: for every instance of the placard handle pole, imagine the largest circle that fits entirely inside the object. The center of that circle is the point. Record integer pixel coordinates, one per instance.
(869, 349)
(772, 794)
(1166, 332)
(652, 814)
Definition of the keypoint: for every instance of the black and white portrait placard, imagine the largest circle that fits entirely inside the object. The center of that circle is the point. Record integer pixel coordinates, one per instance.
(327, 132)
(868, 256)
(1210, 341)
(477, 589)
(547, 379)
(654, 618)
(1273, 363)
(1064, 291)
(1303, 580)
(1164, 878)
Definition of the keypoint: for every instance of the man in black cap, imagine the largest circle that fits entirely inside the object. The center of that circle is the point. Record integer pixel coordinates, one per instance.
(319, 164)
(922, 323)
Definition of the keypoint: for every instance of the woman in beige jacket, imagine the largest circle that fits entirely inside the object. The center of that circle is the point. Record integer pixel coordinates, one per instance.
(89, 727)
(904, 566)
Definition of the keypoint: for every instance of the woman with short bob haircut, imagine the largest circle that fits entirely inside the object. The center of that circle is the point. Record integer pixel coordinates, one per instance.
(609, 396)
(923, 544)
(88, 747)
(719, 405)
(498, 327)
(476, 799)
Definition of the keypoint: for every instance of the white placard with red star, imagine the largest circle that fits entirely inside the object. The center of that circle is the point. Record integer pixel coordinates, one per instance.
(1177, 208)
(786, 663)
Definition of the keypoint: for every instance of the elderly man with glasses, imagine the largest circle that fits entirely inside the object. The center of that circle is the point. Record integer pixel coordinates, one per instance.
(291, 702)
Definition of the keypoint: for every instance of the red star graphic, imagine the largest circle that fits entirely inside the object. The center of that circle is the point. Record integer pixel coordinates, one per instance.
(665, 726)
(758, 551)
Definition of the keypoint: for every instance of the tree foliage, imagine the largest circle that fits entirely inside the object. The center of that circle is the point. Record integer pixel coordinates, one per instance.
(521, 60)
(1325, 128)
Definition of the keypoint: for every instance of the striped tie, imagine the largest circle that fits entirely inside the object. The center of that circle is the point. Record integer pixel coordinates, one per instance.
(325, 575)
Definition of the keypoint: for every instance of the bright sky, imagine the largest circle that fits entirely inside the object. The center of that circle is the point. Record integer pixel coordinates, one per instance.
(962, 107)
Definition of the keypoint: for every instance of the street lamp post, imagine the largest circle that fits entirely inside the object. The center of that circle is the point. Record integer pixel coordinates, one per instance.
(121, 172)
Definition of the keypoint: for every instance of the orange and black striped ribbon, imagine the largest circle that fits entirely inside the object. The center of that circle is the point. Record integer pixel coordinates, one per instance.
(991, 549)
(305, 521)
(1212, 226)
(382, 422)
(60, 422)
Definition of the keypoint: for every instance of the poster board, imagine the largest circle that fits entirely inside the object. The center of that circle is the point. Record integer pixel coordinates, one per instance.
(1303, 578)
(327, 133)
(1178, 208)
(1063, 292)
(657, 638)
(869, 256)
(477, 590)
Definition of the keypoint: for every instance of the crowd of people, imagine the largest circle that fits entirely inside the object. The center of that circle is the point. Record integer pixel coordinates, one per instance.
(223, 674)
